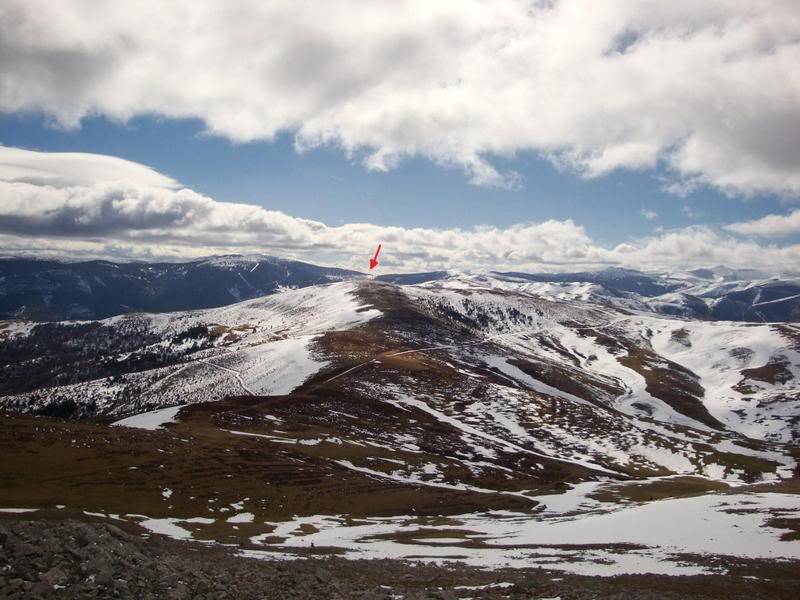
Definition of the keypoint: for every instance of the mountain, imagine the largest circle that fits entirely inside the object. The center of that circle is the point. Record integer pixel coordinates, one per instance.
(491, 418)
(718, 375)
(615, 279)
(413, 278)
(47, 290)
(718, 294)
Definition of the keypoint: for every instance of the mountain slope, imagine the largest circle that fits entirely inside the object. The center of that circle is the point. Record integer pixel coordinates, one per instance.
(459, 335)
(415, 421)
(52, 290)
(718, 294)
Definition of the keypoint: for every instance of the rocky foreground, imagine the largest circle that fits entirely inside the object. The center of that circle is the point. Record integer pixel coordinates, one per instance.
(71, 559)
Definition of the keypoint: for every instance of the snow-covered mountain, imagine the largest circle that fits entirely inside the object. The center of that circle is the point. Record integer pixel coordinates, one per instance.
(718, 294)
(47, 290)
(516, 405)
(561, 340)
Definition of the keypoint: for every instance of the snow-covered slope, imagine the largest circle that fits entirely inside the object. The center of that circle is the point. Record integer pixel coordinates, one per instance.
(750, 374)
(262, 346)
(703, 374)
(43, 290)
(604, 388)
(711, 294)
(471, 416)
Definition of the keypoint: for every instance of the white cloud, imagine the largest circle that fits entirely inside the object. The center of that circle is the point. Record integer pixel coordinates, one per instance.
(648, 214)
(61, 169)
(691, 212)
(702, 246)
(709, 89)
(770, 225)
(126, 219)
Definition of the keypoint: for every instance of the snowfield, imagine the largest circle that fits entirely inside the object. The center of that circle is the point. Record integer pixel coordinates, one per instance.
(151, 420)
(718, 353)
(654, 534)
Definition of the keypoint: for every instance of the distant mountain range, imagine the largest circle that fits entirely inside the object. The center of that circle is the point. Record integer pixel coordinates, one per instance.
(49, 290)
(718, 294)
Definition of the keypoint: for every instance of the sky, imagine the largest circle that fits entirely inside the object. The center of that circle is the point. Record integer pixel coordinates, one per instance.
(464, 135)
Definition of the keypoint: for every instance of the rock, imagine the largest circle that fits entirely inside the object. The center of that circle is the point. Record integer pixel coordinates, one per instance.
(15, 584)
(118, 533)
(372, 595)
(85, 536)
(54, 576)
(41, 590)
(105, 576)
(179, 592)
(23, 549)
(323, 575)
(121, 587)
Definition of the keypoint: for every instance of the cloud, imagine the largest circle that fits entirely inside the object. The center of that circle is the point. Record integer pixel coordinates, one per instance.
(709, 90)
(703, 246)
(123, 219)
(62, 169)
(770, 225)
(691, 213)
(648, 214)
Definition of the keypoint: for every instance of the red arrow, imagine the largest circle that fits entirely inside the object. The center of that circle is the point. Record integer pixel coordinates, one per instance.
(373, 262)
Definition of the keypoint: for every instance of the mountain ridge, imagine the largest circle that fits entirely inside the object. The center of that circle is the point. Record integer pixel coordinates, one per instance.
(45, 290)
(49, 290)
